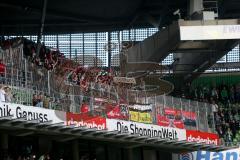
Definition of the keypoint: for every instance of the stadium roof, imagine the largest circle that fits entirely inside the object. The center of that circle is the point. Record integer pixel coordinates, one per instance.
(24, 16)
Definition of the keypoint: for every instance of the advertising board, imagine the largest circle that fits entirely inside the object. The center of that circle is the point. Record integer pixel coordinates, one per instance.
(31, 113)
(232, 154)
(202, 137)
(84, 119)
(119, 111)
(210, 32)
(148, 130)
(176, 118)
(140, 113)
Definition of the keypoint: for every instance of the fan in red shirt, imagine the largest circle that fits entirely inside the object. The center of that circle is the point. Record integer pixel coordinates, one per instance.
(2, 71)
(2, 68)
(84, 107)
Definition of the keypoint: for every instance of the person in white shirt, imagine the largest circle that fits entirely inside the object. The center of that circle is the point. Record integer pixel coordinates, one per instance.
(2, 94)
(214, 108)
(8, 95)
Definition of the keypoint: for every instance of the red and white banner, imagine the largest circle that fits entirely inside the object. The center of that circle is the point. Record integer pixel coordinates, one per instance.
(177, 118)
(166, 122)
(202, 137)
(85, 119)
(118, 112)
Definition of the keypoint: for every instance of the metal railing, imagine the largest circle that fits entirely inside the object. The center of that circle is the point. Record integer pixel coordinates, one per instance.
(193, 115)
(26, 80)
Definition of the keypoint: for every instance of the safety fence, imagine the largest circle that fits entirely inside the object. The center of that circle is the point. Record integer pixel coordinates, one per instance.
(30, 82)
(104, 101)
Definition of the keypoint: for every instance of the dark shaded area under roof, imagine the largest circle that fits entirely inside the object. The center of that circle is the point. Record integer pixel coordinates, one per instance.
(23, 16)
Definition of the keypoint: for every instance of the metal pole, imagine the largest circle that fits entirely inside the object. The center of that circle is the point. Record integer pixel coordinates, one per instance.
(70, 46)
(96, 49)
(83, 51)
(76, 60)
(57, 42)
(25, 68)
(109, 49)
(49, 90)
(164, 101)
(181, 104)
(206, 120)
(41, 26)
(198, 117)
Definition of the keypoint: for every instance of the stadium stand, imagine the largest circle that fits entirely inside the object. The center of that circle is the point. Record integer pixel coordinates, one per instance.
(98, 83)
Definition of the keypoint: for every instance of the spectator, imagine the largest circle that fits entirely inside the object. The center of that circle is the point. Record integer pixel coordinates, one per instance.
(84, 107)
(2, 71)
(224, 95)
(2, 94)
(9, 96)
(40, 100)
(238, 93)
(214, 107)
(46, 101)
(228, 137)
(35, 100)
(232, 94)
(214, 94)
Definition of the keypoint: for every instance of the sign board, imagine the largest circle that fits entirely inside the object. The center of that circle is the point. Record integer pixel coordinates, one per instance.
(210, 32)
(141, 113)
(146, 129)
(177, 118)
(202, 137)
(232, 154)
(31, 113)
(84, 119)
(124, 80)
(119, 111)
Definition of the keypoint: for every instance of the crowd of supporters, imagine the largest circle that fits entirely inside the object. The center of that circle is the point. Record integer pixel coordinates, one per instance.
(222, 97)
(38, 54)
(42, 56)
(225, 106)
(84, 76)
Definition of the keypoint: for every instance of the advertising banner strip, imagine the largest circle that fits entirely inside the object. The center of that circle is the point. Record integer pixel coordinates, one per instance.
(124, 80)
(232, 154)
(31, 113)
(146, 129)
(86, 120)
(202, 137)
(210, 32)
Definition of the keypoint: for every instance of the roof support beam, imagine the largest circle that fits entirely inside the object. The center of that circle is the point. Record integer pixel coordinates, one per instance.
(40, 33)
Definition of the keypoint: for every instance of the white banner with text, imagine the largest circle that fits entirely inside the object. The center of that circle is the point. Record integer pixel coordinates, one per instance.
(146, 129)
(210, 32)
(31, 113)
